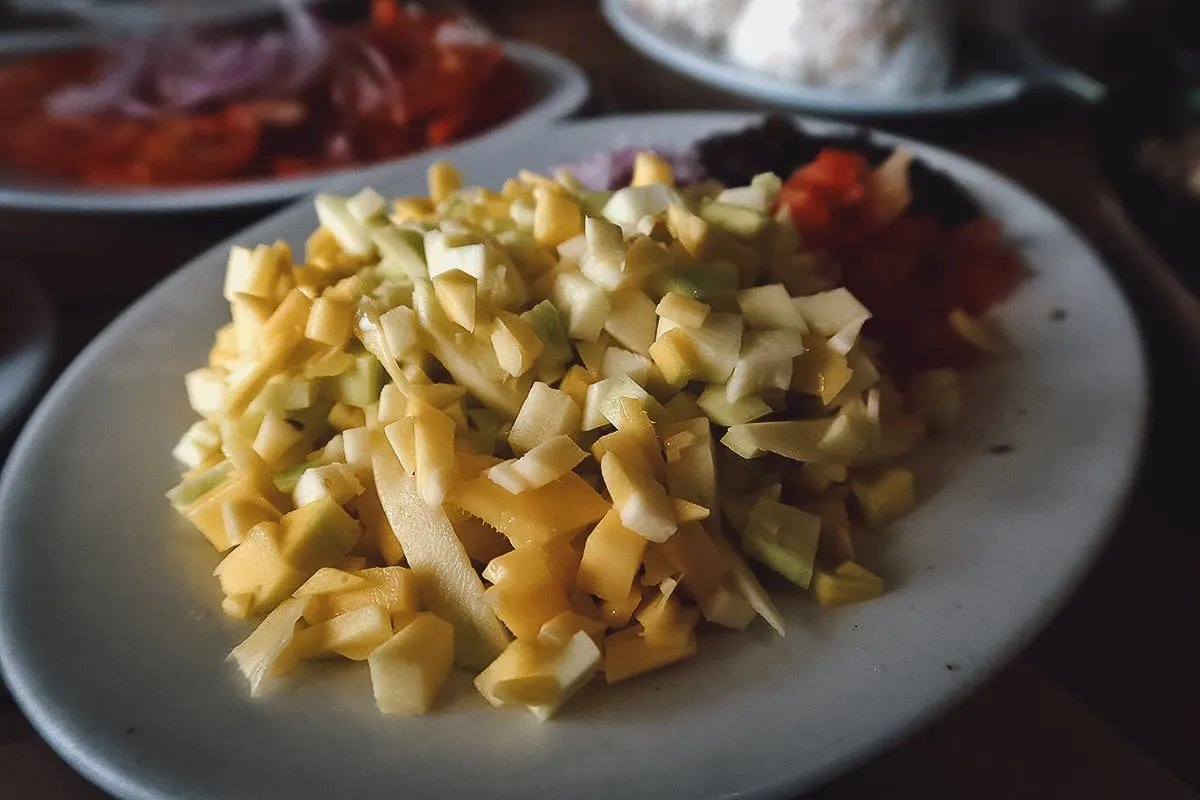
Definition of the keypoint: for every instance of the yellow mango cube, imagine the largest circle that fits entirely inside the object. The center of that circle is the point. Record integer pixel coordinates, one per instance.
(525, 593)
(353, 635)
(539, 676)
(576, 382)
(692, 552)
(330, 322)
(392, 588)
(612, 555)
(848, 583)
(208, 514)
(257, 572)
(616, 614)
(556, 216)
(409, 669)
(627, 654)
(457, 293)
(516, 344)
(536, 516)
(443, 180)
(641, 500)
(682, 309)
(650, 168)
(433, 444)
(558, 630)
(668, 623)
(331, 580)
(885, 498)
(319, 534)
(257, 657)
(675, 355)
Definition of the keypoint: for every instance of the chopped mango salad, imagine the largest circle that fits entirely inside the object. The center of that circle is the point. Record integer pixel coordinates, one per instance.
(542, 433)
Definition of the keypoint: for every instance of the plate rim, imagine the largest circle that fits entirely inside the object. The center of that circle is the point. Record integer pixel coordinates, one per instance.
(89, 760)
(568, 91)
(754, 85)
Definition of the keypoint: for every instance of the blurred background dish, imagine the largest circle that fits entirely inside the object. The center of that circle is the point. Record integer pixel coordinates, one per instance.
(188, 117)
(872, 58)
(27, 328)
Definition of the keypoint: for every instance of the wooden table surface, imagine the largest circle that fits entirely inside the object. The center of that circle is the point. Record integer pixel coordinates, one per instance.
(1104, 704)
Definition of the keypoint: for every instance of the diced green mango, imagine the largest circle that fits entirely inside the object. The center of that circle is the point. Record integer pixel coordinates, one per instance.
(361, 384)
(738, 220)
(192, 488)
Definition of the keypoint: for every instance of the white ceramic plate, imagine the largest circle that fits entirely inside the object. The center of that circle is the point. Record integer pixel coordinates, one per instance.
(559, 88)
(971, 91)
(111, 641)
(26, 342)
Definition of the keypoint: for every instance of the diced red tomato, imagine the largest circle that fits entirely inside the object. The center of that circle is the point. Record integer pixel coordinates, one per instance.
(909, 270)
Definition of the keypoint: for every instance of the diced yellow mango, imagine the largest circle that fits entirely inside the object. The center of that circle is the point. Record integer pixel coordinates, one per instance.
(616, 614)
(575, 383)
(556, 217)
(679, 308)
(411, 208)
(668, 623)
(627, 654)
(409, 670)
(656, 567)
(258, 572)
(353, 635)
(832, 589)
(392, 588)
(697, 559)
(538, 675)
(433, 438)
(316, 535)
(820, 371)
(675, 355)
(728, 607)
(559, 630)
(207, 513)
(515, 343)
(274, 438)
(630, 417)
(450, 586)
(457, 293)
(280, 336)
(525, 593)
(545, 413)
(535, 516)
(611, 556)
(343, 416)
(641, 500)
(240, 516)
(887, 497)
(481, 541)
(649, 168)
(330, 322)
(443, 180)
(546, 463)
(686, 511)
(257, 656)
(331, 580)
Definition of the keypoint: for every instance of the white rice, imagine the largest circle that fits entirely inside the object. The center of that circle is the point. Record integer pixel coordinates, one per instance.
(707, 20)
(883, 47)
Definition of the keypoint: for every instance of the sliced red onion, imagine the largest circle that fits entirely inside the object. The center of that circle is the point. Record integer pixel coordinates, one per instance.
(118, 83)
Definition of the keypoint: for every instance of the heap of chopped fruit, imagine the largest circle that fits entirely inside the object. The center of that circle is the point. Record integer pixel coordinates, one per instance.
(536, 433)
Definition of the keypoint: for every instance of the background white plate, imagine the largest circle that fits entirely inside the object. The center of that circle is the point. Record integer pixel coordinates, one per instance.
(558, 87)
(111, 641)
(970, 91)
